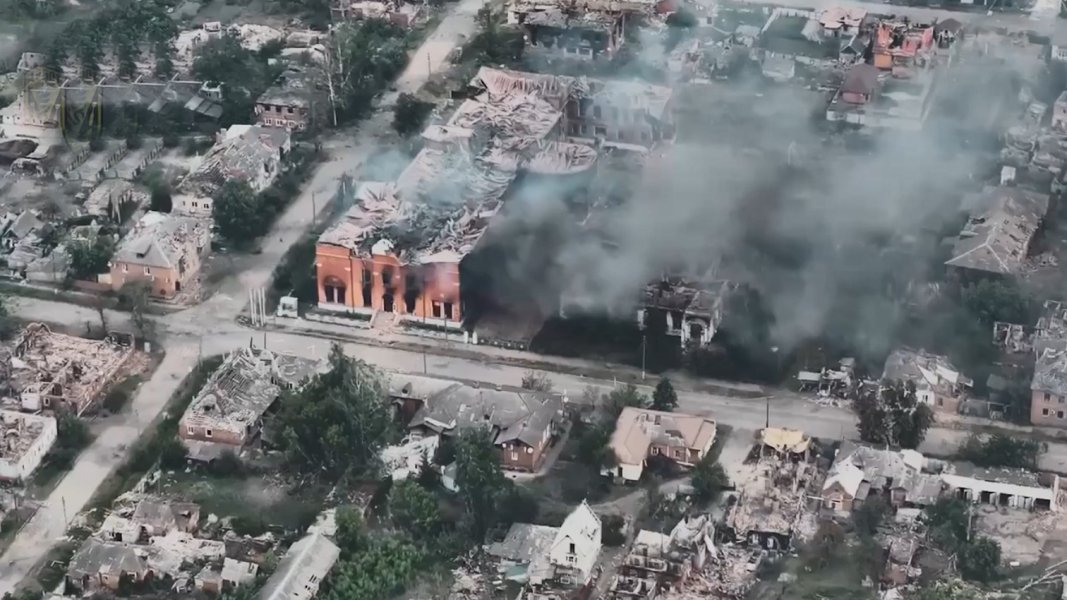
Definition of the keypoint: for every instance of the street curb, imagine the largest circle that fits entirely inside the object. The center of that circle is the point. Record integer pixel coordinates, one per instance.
(619, 373)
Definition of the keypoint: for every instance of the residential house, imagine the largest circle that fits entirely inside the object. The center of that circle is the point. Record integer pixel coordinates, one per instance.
(859, 472)
(938, 384)
(784, 442)
(997, 237)
(563, 30)
(27, 438)
(565, 555)
(228, 411)
(398, 12)
(1048, 389)
(249, 153)
(522, 423)
(163, 249)
(660, 561)
(641, 433)
(1059, 112)
(302, 570)
(798, 35)
(99, 565)
(289, 102)
(157, 517)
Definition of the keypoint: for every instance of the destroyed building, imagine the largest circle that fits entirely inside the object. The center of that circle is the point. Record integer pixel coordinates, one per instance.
(522, 423)
(690, 312)
(398, 12)
(290, 102)
(228, 411)
(51, 371)
(658, 561)
(26, 440)
(163, 249)
(249, 153)
(1000, 486)
(1048, 389)
(859, 472)
(402, 247)
(770, 502)
(640, 434)
(997, 237)
(586, 30)
(547, 556)
(938, 384)
(101, 565)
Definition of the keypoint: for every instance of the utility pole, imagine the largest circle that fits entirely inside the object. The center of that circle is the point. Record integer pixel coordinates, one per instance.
(644, 338)
(63, 499)
(314, 211)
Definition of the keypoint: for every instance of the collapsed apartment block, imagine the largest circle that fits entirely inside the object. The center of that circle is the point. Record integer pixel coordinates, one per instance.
(403, 247)
(996, 239)
(26, 440)
(163, 249)
(585, 30)
(551, 556)
(640, 434)
(658, 561)
(249, 153)
(55, 371)
(938, 384)
(690, 312)
(228, 411)
(522, 423)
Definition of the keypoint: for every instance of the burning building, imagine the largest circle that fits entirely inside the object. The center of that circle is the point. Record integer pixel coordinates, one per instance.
(690, 312)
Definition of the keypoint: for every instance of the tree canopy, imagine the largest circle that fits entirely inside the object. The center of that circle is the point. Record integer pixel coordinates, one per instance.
(241, 72)
(361, 59)
(999, 450)
(339, 421)
(709, 479)
(892, 414)
(382, 570)
(664, 397)
(480, 479)
(409, 114)
(90, 257)
(237, 212)
(414, 510)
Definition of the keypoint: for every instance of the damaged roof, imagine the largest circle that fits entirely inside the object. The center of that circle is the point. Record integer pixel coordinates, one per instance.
(997, 236)
(637, 429)
(95, 558)
(240, 153)
(515, 415)
(311, 557)
(678, 294)
(237, 394)
(524, 543)
(291, 88)
(162, 240)
(1050, 372)
(927, 371)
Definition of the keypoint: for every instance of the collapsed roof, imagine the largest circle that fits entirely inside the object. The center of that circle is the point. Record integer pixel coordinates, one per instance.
(162, 240)
(997, 236)
(242, 152)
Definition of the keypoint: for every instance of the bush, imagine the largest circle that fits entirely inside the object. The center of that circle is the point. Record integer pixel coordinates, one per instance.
(170, 140)
(116, 399)
(999, 450)
(227, 465)
(172, 454)
(71, 432)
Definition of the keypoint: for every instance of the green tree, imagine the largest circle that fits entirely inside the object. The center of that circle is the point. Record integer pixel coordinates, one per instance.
(948, 521)
(999, 450)
(414, 510)
(339, 421)
(479, 478)
(593, 449)
(135, 297)
(990, 301)
(709, 479)
(532, 380)
(361, 59)
(172, 453)
(242, 75)
(237, 211)
(8, 325)
(664, 397)
(869, 516)
(383, 570)
(72, 432)
(892, 415)
(979, 560)
(623, 397)
(409, 114)
(351, 534)
(90, 257)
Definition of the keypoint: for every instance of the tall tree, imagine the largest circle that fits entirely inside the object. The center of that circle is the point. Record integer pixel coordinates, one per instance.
(339, 421)
(382, 570)
(979, 560)
(664, 397)
(892, 415)
(237, 211)
(479, 478)
(414, 510)
(709, 480)
(90, 257)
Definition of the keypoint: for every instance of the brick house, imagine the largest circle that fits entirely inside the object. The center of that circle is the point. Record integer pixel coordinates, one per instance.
(641, 433)
(1048, 389)
(163, 249)
(522, 423)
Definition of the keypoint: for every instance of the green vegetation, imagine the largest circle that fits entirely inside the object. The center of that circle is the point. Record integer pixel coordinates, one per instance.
(532, 380)
(494, 43)
(409, 114)
(664, 397)
(135, 297)
(88, 258)
(1000, 450)
(709, 479)
(338, 422)
(978, 558)
(415, 510)
(72, 436)
(362, 60)
(480, 480)
(121, 393)
(611, 530)
(242, 74)
(892, 415)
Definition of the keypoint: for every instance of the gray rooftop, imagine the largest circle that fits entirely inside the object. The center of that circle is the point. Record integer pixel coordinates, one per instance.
(97, 557)
(162, 240)
(524, 542)
(520, 415)
(240, 153)
(290, 89)
(997, 236)
(1050, 372)
(311, 556)
(997, 474)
